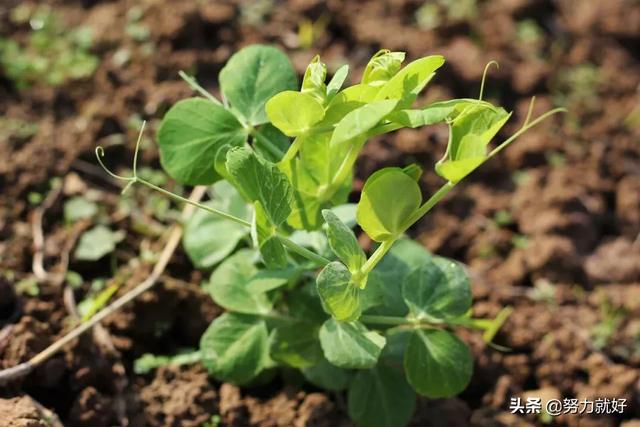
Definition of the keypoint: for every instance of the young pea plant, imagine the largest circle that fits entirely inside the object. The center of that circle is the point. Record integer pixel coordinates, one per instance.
(298, 290)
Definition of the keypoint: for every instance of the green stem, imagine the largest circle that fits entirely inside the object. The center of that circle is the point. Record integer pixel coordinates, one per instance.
(198, 205)
(341, 174)
(302, 251)
(268, 144)
(292, 151)
(375, 258)
(384, 320)
(429, 204)
(193, 83)
(293, 247)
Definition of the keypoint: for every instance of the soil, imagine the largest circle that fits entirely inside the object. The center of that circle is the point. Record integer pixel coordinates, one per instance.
(549, 227)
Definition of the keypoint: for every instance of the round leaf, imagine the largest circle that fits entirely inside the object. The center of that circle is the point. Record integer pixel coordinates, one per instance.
(208, 239)
(437, 290)
(191, 134)
(235, 348)
(380, 397)
(389, 198)
(327, 376)
(339, 297)
(437, 363)
(296, 345)
(294, 113)
(252, 76)
(229, 285)
(350, 345)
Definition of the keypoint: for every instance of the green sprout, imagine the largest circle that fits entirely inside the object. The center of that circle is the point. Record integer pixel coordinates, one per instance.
(298, 290)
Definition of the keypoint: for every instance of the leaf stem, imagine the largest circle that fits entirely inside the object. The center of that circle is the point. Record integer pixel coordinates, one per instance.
(302, 251)
(193, 83)
(375, 258)
(384, 320)
(269, 145)
(292, 151)
(429, 204)
(196, 204)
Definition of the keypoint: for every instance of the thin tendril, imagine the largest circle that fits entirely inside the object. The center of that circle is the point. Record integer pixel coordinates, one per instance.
(484, 77)
(135, 153)
(530, 111)
(100, 155)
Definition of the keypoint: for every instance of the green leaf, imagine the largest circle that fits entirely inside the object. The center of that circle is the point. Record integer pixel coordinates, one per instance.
(190, 135)
(359, 121)
(382, 66)
(343, 242)
(208, 239)
(296, 345)
(310, 175)
(260, 180)
(336, 82)
(270, 143)
(384, 284)
(380, 397)
(438, 112)
(97, 242)
(409, 82)
(437, 363)
(149, 362)
(268, 280)
(437, 290)
(294, 113)
(228, 285)
(265, 237)
(350, 345)
(327, 376)
(235, 348)
(78, 208)
(340, 298)
(389, 198)
(313, 81)
(252, 76)
(470, 133)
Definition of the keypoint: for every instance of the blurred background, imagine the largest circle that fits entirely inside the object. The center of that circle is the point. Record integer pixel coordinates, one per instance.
(550, 227)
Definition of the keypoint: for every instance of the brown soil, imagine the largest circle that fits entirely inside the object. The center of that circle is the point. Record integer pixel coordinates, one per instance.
(550, 227)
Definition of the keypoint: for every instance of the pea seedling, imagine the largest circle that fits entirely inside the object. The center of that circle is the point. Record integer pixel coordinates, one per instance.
(298, 290)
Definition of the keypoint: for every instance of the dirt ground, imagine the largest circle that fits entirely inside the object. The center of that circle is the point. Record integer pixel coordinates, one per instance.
(550, 227)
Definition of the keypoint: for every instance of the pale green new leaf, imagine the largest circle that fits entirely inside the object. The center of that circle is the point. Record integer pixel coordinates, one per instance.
(336, 82)
(380, 397)
(340, 298)
(350, 345)
(437, 363)
(382, 66)
(470, 134)
(78, 208)
(313, 81)
(228, 285)
(260, 180)
(235, 348)
(252, 76)
(343, 242)
(438, 112)
(409, 82)
(190, 136)
(294, 113)
(389, 198)
(359, 121)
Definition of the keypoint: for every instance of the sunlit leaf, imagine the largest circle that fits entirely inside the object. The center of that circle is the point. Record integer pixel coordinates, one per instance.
(350, 345)
(191, 134)
(252, 76)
